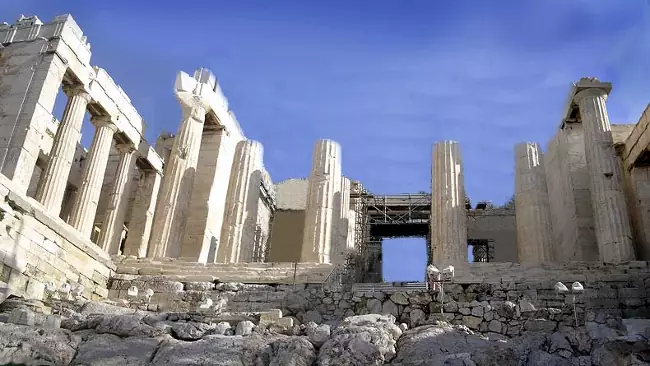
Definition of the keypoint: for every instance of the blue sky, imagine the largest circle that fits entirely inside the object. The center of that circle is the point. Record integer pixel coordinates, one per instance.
(386, 79)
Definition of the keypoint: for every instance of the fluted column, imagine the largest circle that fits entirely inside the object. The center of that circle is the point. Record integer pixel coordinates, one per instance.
(534, 236)
(85, 206)
(55, 179)
(448, 213)
(113, 223)
(322, 209)
(240, 218)
(339, 250)
(611, 220)
(143, 213)
(178, 179)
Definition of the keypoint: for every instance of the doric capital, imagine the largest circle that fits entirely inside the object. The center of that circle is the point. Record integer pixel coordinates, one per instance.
(104, 121)
(77, 90)
(590, 93)
(127, 148)
(193, 109)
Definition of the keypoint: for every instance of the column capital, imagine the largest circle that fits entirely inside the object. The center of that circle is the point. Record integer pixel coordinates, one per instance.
(590, 93)
(194, 110)
(126, 148)
(104, 121)
(77, 90)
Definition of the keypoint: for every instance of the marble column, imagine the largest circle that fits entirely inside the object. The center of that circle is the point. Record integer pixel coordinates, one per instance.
(143, 213)
(611, 219)
(534, 235)
(240, 218)
(55, 178)
(113, 223)
(85, 207)
(324, 184)
(178, 180)
(339, 252)
(448, 213)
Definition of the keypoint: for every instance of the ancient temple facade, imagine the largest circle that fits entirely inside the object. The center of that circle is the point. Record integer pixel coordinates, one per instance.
(201, 203)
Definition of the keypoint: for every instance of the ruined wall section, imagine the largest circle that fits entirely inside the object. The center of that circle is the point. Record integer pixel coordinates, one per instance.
(499, 226)
(288, 221)
(37, 248)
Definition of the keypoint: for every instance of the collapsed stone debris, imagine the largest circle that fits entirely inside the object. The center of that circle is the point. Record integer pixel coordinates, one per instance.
(186, 251)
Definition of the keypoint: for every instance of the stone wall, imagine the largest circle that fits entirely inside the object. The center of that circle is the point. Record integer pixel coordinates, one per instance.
(36, 248)
(499, 226)
(489, 303)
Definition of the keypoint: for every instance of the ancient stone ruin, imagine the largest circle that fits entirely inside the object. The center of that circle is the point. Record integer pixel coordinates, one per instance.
(186, 252)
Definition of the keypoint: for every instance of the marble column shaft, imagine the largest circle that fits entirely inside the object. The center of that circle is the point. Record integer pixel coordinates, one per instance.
(83, 213)
(534, 235)
(113, 223)
(55, 178)
(611, 218)
(322, 210)
(240, 217)
(448, 212)
(142, 216)
(178, 180)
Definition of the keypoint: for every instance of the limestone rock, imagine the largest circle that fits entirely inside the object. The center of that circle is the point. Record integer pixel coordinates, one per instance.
(311, 316)
(416, 317)
(126, 326)
(24, 345)
(244, 328)
(319, 334)
(222, 328)
(399, 298)
(361, 340)
(374, 306)
(108, 349)
(390, 307)
(541, 358)
(190, 331)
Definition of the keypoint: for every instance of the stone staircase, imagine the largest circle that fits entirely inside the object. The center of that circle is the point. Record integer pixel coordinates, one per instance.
(188, 271)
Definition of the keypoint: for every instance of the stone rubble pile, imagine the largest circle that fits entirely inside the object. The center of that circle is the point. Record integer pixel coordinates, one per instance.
(91, 333)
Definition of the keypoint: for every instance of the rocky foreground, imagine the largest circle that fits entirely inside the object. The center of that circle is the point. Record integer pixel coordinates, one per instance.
(91, 333)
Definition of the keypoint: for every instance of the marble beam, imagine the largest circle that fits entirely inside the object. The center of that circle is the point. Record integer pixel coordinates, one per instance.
(534, 235)
(611, 218)
(448, 213)
(83, 213)
(113, 223)
(242, 204)
(322, 209)
(54, 180)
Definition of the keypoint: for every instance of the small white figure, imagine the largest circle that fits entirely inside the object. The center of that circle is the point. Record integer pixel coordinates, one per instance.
(132, 291)
(561, 288)
(64, 291)
(577, 287)
(207, 304)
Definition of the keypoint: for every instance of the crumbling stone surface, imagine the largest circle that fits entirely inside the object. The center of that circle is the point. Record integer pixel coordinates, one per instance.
(149, 338)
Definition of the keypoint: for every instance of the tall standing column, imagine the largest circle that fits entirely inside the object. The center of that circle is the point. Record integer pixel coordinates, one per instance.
(178, 179)
(143, 213)
(240, 219)
(112, 226)
(611, 220)
(339, 251)
(448, 213)
(321, 211)
(534, 236)
(85, 207)
(55, 179)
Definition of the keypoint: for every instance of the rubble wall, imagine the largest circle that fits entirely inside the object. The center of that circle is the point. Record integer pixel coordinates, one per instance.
(498, 298)
(36, 248)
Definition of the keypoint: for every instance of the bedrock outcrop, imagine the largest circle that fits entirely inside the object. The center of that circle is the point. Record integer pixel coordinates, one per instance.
(91, 333)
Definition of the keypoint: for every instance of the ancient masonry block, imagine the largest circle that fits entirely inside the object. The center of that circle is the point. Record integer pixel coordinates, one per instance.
(54, 180)
(611, 219)
(85, 208)
(532, 205)
(448, 213)
(242, 204)
(178, 179)
(143, 213)
(339, 248)
(323, 210)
